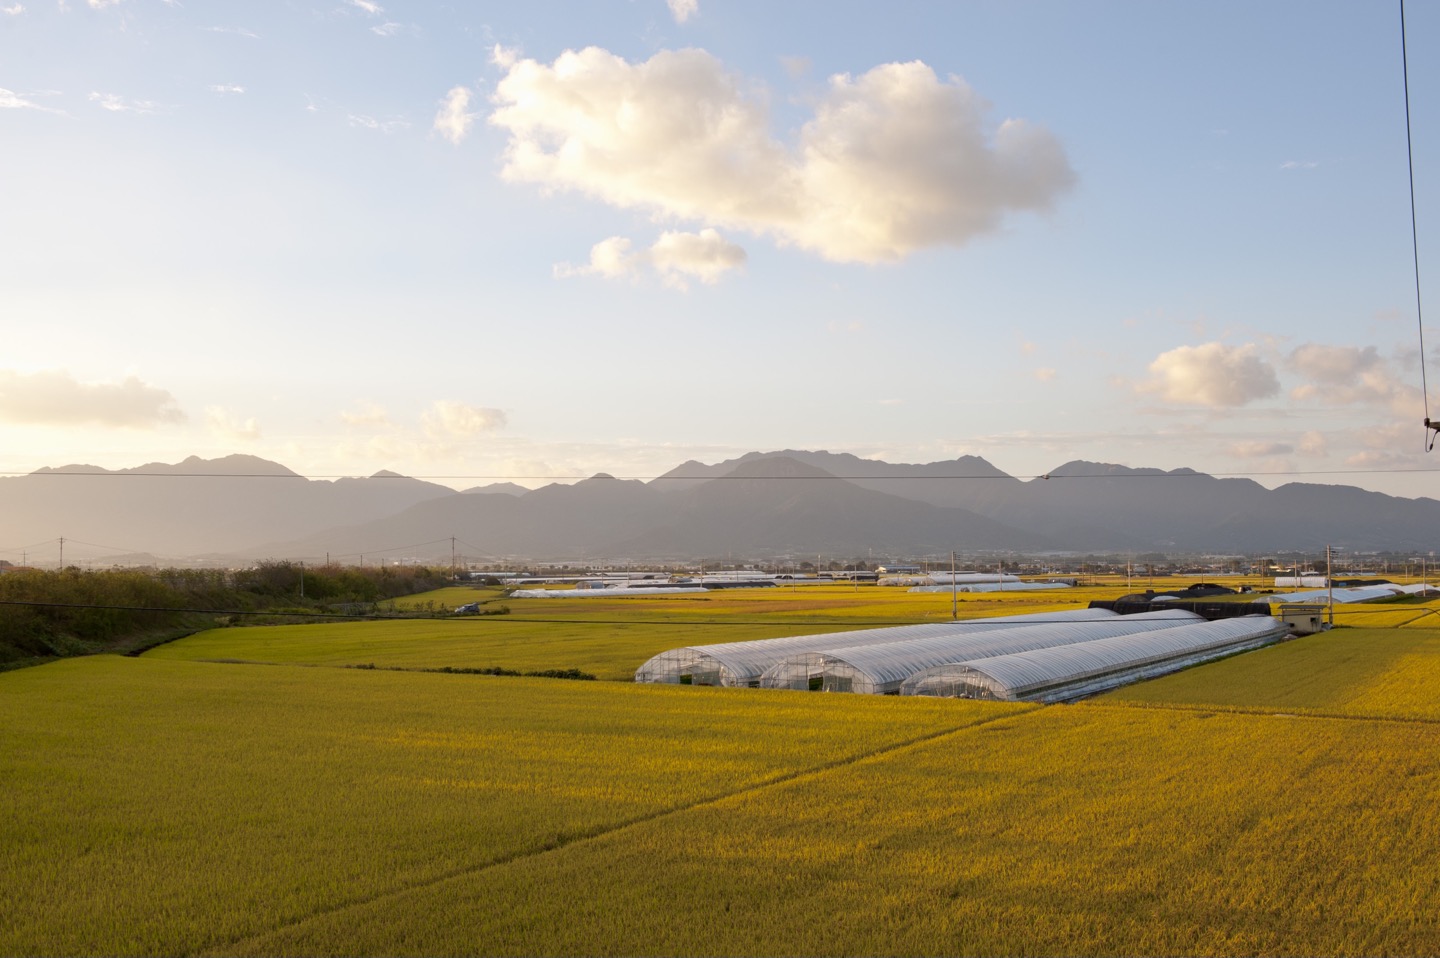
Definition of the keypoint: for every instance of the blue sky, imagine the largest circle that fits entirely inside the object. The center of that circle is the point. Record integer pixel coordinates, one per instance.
(495, 241)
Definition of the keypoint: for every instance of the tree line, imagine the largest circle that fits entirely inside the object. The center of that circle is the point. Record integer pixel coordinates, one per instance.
(46, 614)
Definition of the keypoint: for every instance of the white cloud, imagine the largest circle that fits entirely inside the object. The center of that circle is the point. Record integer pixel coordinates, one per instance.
(226, 88)
(392, 125)
(238, 31)
(391, 29)
(1045, 374)
(1259, 449)
(1299, 165)
(55, 398)
(706, 256)
(675, 257)
(447, 418)
(683, 10)
(893, 161)
(369, 6)
(1350, 375)
(368, 415)
(119, 104)
(452, 121)
(1312, 444)
(504, 57)
(10, 100)
(1212, 374)
(223, 425)
(14, 10)
(102, 4)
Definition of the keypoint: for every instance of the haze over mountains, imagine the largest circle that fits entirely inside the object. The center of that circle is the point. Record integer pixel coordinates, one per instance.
(760, 506)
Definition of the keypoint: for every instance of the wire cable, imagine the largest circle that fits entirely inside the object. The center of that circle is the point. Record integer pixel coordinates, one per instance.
(1431, 428)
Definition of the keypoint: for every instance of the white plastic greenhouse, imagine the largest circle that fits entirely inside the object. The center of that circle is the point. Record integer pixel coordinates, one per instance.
(742, 663)
(1366, 593)
(880, 669)
(1067, 672)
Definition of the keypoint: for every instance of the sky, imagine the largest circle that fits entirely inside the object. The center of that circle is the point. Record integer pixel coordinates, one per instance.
(480, 242)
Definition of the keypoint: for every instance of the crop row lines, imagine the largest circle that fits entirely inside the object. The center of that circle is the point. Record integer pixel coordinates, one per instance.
(604, 830)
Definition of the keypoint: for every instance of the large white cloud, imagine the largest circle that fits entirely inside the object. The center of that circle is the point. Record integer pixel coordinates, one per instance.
(1212, 374)
(675, 257)
(893, 161)
(55, 398)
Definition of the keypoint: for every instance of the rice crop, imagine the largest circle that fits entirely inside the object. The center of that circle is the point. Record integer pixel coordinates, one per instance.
(155, 806)
(1069, 830)
(608, 638)
(1386, 673)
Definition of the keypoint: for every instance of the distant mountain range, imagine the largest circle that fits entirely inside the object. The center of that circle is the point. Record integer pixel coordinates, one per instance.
(760, 506)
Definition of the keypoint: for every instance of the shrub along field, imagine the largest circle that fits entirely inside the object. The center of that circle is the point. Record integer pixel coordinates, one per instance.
(1278, 801)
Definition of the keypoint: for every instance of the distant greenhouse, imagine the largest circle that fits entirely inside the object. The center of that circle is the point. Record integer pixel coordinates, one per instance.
(879, 669)
(743, 663)
(1062, 673)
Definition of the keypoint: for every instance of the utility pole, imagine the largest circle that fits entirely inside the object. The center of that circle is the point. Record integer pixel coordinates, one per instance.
(62, 552)
(452, 558)
(954, 589)
(1329, 590)
(302, 579)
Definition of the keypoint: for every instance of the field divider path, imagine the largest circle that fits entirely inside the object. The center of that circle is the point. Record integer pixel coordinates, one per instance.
(1262, 711)
(605, 830)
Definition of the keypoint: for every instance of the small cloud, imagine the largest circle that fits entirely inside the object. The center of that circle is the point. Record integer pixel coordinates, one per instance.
(238, 31)
(226, 88)
(119, 104)
(447, 419)
(14, 10)
(55, 398)
(368, 415)
(1044, 374)
(102, 4)
(796, 66)
(683, 10)
(1312, 444)
(1258, 449)
(223, 425)
(1349, 375)
(453, 121)
(1299, 165)
(392, 28)
(10, 100)
(675, 257)
(1213, 374)
(392, 125)
(369, 6)
(504, 57)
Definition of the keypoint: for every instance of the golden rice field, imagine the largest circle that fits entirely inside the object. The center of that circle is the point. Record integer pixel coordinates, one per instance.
(605, 637)
(1381, 673)
(167, 807)
(1061, 831)
(1277, 802)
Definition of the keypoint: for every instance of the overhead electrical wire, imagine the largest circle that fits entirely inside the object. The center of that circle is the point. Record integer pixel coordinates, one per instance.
(1431, 428)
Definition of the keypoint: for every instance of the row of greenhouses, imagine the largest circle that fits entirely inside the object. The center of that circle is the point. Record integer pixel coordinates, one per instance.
(1050, 656)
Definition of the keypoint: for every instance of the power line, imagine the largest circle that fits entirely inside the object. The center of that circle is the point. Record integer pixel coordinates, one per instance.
(730, 476)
